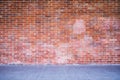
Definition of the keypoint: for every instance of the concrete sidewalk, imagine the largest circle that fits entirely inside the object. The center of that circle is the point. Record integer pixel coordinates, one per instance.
(60, 72)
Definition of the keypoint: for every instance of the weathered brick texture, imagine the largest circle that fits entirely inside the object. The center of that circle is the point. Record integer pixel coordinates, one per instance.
(59, 31)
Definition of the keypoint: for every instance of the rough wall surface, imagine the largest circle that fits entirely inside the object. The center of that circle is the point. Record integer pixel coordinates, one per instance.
(59, 31)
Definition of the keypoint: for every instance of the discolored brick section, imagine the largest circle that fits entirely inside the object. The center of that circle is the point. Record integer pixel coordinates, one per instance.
(59, 31)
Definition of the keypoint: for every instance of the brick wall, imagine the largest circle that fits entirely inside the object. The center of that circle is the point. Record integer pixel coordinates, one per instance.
(59, 31)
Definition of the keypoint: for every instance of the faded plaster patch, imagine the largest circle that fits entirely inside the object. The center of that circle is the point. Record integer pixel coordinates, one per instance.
(62, 53)
(79, 27)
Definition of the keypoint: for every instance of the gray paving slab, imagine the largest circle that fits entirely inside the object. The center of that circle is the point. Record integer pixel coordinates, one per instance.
(59, 72)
